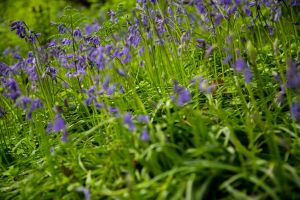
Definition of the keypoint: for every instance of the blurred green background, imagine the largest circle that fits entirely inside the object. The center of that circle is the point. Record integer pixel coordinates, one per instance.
(40, 14)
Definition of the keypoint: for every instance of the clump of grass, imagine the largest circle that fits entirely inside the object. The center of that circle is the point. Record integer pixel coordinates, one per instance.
(175, 100)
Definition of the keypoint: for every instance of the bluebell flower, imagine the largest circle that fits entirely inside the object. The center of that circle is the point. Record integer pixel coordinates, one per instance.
(52, 43)
(19, 27)
(62, 28)
(64, 137)
(99, 105)
(145, 135)
(77, 33)
(4, 69)
(110, 90)
(292, 76)
(121, 90)
(66, 41)
(24, 101)
(200, 6)
(126, 54)
(121, 72)
(238, 2)
(49, 128)
(85, 191)
(13, 89)
(113, 110)
(170, 11)
(182, 94)
(59, 123)
(218, 19)
(36, 103)
(17, 56)
(128, 121)
(143, 118)
(92, 28)
(295, 108)
(241, 66)
(106, 83)
(295, 3)
(33, 36)
(183, 97)
(209, 51)
(141, 50)
(247, 11)
(112, 15)
(145, 20)
(247, 75)
(277, 14)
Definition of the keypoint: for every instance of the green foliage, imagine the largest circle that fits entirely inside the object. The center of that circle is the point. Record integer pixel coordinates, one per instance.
(235, 141)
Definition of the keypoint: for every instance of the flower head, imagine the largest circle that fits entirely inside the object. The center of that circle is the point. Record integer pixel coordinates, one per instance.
(145, 135)
(59, 123)
(295, 108)
(128, 121)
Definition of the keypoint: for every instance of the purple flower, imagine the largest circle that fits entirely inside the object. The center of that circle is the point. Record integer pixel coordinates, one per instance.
(247, 11)
(77, 33)
(200, 6)
(66, 41)
(238, 2)
(183, 95)
(128, 121)
(218, 19)
(51, 71)
(121, 72)
(112, 15)
(49, 127)
(113, 110)
(19, 27)
(32, 36)
(62, 28)
(99, 105)
(292, 76)
(280, 95)
(52, 43)
(13, 88)
(64, 137)
(17, 56)
(108, 48)
(85, 191)
(145, 135)
(295, 115)
(110, 90)
(247, 75)
(91, 28)
(4, 69)
(277, 14)
(36, 103)
(24, 102)
(126, 54)
(170, 11)
(295, 3)
(141, 50)
(106, 83)
(240, 65)
(209, 50)
(143, 118)
(227, 59)
(59, 123)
